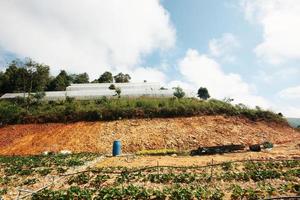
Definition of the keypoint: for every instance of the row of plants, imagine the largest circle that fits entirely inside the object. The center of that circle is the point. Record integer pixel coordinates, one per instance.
(133, 192)
(168, 182)
(226, 172)
(255, 175)
(176, 192)
(70, 110)
(41, 164)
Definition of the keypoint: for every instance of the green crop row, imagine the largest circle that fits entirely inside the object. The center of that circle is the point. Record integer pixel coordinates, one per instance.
(132, 192)
(41, 164)
(174, 193)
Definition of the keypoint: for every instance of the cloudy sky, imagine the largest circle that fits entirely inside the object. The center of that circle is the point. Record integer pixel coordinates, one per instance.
(248, 50)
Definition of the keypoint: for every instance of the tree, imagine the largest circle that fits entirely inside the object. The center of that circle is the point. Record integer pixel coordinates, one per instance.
(179, 93)
(203, 93)
(60, 82)
(13, 80)
(81, 78)
(106, 77)
(24, 76)
(122, 78)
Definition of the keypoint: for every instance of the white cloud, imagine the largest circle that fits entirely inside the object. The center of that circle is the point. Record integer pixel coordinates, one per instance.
(290, 111)
(200, 70)
(85, 36)
(149, 74)
(290, 93)
(280, 21)
(224, 46)
(272, 76)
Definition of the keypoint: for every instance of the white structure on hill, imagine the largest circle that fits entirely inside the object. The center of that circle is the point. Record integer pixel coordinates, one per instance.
(97, 90)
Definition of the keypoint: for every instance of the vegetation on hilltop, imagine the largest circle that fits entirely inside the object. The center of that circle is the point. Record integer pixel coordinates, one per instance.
(70, 110)
(29, 76)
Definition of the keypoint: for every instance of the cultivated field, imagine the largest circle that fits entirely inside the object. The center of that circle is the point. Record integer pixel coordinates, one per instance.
(92, 176)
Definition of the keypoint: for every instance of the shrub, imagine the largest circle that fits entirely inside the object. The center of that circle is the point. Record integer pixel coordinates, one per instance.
(112, 87)
(9, 112)
(179, 93)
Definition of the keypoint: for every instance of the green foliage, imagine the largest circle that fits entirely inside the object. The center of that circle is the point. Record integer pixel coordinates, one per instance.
(71, 193)
(106, 77)
(112, 87)
(122, 78)
(118, 92)
(3, 191)
(24, 76)
(203, 93)
(162, 182)
(10, 112)
(179, 93)
(44, 172)
(60, 82)
(71, 110)
(30, 181)
(81, 78)
(40, 164)
(99, 180)
(79, 179)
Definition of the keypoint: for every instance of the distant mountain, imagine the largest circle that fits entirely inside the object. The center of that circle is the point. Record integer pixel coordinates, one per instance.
(294, 122)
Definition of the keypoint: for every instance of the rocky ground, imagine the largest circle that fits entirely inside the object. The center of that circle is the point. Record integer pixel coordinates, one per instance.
(138, 134)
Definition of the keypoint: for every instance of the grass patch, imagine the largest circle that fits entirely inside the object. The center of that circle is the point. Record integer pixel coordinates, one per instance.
(70, 110)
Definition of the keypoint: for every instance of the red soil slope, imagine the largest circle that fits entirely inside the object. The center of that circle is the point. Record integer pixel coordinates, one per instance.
(138, 134)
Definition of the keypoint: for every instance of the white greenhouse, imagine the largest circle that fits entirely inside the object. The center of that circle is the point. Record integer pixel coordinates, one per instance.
(97, 90)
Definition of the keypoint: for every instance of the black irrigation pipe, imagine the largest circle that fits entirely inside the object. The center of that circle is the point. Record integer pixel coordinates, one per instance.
(284, 197)
(183, 167)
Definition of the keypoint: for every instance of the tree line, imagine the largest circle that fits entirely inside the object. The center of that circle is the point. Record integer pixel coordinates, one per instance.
(30, 76)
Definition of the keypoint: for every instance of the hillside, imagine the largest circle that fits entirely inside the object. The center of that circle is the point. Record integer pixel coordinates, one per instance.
(137, 134)
(294, 122)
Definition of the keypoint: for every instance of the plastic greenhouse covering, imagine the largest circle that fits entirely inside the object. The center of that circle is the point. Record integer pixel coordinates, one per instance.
(98, 90)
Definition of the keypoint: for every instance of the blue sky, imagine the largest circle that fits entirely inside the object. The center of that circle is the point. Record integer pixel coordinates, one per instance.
(248, 50)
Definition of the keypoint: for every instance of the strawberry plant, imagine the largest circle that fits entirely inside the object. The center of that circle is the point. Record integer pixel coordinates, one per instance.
(97, 182)
(80, 179)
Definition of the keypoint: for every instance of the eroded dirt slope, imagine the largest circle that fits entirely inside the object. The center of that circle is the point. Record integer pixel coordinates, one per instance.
(138, 134)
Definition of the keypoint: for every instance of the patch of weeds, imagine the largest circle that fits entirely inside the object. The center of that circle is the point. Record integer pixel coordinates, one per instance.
(74, 162)
(61, 170)
(44, 172)
(3, 191)
(30, 181)
(226, 166)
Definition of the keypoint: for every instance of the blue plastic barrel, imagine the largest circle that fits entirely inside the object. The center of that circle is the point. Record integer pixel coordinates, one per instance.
(116, 148)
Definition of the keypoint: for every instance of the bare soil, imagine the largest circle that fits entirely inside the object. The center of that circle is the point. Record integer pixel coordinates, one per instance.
(289, 151)
(138, 134)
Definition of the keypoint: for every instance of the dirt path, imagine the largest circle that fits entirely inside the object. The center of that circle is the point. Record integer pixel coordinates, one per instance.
(138, 134)
(287, 151)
